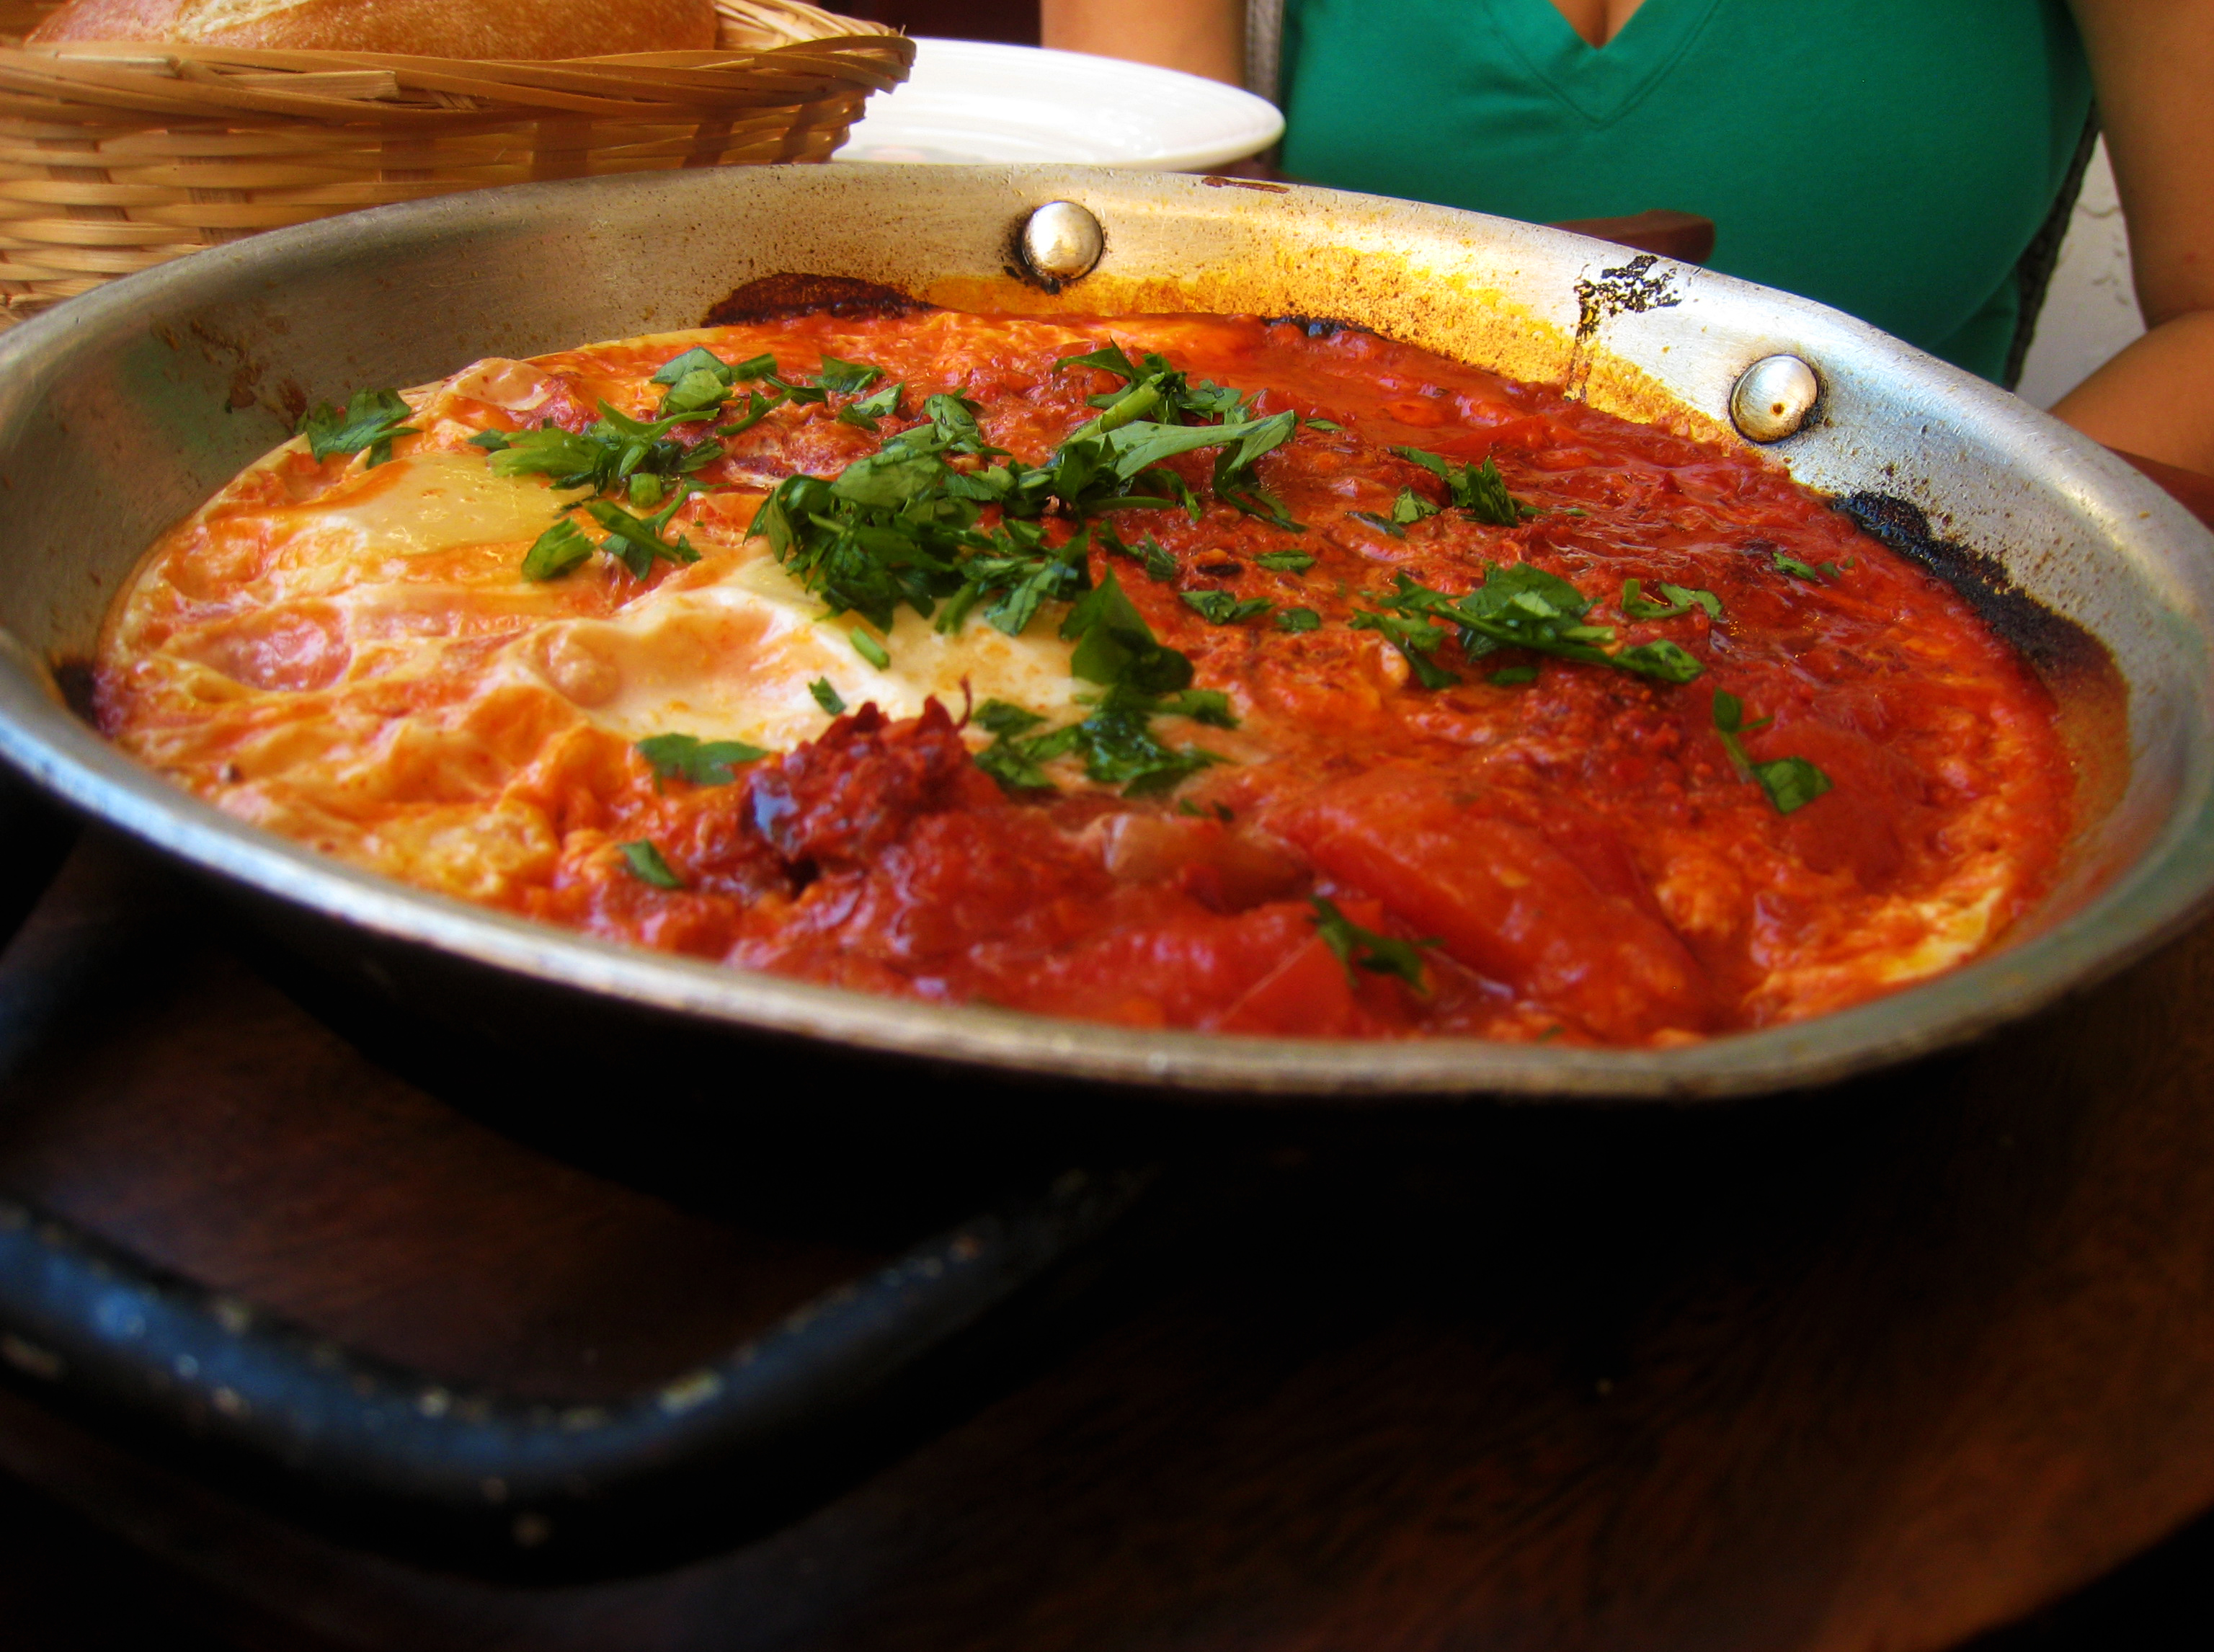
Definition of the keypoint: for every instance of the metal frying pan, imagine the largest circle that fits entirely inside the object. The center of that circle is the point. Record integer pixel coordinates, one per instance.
(123, 410)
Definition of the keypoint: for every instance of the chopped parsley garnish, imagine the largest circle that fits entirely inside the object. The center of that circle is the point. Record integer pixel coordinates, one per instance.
(1477, 490)
(646, 865)
(847, 377)
(1410, 507)
(608, 452)
(371, 420)
(899, 528)
(865, 411)
(1285, 561)
(1299, 619)
(1220, 608)
(636, 542)
(703, 762)
(1516, 607)
(699, 383)
(1364, 949)
(1382, 524)
(1513, 677)
(1143, 680)
(826, 696)
(1160, 565)
(1813, 573)
(1018, 574)
(557, 551)
(999, 717)
(868, 648)
(1790, 782)
(1153, 418)
(1636, 605)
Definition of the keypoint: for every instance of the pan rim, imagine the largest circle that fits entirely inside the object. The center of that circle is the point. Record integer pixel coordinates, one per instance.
(2167, 883)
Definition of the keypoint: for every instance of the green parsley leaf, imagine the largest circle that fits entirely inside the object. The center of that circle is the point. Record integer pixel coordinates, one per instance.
(1109, 358)
(561, 549)
(1329, 424)
(1416, 638)
(636, 542)
(1016, 769)
(646, 865)
(999, 717)
(1359, 948)
(1636, 605)
(703, 762)
(1798, 570)
(1789, 782)
(1160, 565)
(1477, 490)
(864, 413)
(612, 449)
(1382, 524)
(371, 420)
(1208, 705)
(1516, 607)
(1512, 676)
(698, 359)
(869, 648)
(826, 696)
(758, 407)
(1285, 561)
(1118, 647)
(1663, 660)
(847, 377)
(490, 440)
(1411, 507)
(1220, 608)
(1299, 619)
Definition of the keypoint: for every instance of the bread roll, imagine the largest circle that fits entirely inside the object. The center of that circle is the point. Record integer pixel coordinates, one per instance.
(428, 28)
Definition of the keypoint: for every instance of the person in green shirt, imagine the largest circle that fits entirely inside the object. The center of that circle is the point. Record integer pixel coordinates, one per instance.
(1894, 158)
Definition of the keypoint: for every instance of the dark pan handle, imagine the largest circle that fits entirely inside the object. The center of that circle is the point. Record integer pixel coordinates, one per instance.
(393, 1457)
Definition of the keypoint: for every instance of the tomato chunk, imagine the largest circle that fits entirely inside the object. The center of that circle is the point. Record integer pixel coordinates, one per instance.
(1505, 902)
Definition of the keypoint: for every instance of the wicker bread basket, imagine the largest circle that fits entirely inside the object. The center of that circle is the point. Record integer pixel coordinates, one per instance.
(116, 156)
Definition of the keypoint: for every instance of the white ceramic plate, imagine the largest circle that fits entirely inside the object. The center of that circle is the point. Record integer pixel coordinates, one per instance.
(973, 100)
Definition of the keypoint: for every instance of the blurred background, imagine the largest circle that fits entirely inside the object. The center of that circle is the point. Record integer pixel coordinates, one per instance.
(2090, 311)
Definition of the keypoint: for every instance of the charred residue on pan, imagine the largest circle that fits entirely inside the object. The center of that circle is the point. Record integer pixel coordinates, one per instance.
(778, 298)
(2088, 688)
(1629, 289)
(73, 680)
(1317, 327)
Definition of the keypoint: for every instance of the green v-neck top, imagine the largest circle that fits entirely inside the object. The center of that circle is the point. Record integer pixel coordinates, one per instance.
(1890, 157)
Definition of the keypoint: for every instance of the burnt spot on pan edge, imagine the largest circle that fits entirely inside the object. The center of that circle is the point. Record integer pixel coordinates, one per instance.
(73, 679)
(2089, 688)
(2057, 646)
(1317, 327)
(775, 297)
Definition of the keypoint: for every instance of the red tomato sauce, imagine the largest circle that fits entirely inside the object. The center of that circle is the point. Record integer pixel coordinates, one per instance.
(1570, 853)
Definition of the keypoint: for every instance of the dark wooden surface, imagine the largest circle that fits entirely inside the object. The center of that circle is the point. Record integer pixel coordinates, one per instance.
(1885, 1365)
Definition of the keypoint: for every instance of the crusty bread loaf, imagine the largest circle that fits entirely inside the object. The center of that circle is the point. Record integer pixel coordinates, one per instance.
(533, 29)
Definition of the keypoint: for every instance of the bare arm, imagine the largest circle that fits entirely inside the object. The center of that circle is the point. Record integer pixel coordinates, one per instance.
(2153, 62)
(1201, 37)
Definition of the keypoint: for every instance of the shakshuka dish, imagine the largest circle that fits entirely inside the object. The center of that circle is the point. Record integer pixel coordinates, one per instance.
(1187, 671)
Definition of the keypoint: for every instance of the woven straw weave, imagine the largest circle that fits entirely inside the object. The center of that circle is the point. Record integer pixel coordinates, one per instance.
(117, 156)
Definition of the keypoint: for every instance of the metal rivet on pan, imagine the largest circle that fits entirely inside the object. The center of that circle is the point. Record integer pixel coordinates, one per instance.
(1061, 242)
(1773, 397)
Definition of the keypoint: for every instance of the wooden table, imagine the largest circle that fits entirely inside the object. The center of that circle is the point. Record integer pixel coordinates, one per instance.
(1885, 1365)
